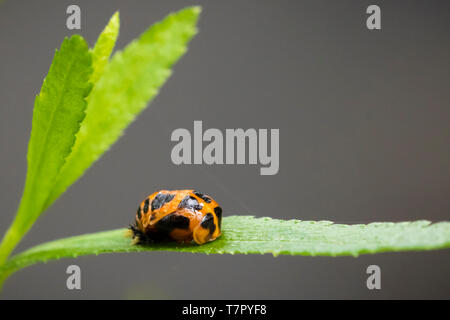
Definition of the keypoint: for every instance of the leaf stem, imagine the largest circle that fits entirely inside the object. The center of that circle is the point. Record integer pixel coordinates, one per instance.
(9, 242)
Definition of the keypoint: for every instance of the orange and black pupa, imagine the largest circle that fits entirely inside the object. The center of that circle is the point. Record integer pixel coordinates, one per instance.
(178, 215)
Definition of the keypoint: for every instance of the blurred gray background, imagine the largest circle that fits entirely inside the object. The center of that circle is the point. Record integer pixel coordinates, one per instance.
(364, 136)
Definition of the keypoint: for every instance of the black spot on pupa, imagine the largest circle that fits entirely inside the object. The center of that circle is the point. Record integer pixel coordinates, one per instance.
(139, 212)
(190, 203)
(208, 223)
(172, 221)
(218, 212)
(161, 199)
(203, 197)
(162, 229)
(146, 203)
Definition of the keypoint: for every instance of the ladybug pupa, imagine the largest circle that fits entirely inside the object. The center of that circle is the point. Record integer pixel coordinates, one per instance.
(177, 215)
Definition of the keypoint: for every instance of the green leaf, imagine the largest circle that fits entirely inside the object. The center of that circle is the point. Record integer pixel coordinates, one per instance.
(250, 235)
(100, 56)
(130, 80)
(104, 47)
(58, 112)
(124, 88)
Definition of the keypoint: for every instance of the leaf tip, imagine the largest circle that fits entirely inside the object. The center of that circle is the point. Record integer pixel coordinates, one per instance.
(192, 13)
(115, 19)
(77, 39)
(196, 9)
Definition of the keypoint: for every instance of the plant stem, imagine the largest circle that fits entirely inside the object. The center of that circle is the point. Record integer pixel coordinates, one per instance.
(9, 242)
